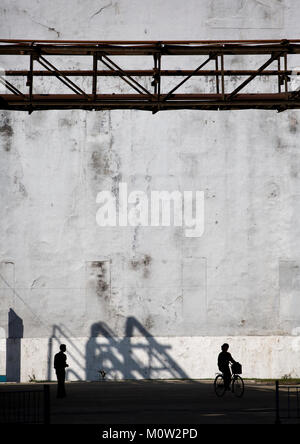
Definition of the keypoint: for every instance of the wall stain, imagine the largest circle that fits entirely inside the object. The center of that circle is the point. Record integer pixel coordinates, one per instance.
(273, 190)
(22, 190)
(68, 123)
(149, 323)
(100, 272)
(280, 145)
(293, 124)
(143, 263)
(6, 132)
(106, 161)
(97, 163)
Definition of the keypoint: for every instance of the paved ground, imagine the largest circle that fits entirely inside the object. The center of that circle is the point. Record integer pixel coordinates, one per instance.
(157, 402)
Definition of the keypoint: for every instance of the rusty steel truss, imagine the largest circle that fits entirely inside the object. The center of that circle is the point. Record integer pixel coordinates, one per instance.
(101, 58)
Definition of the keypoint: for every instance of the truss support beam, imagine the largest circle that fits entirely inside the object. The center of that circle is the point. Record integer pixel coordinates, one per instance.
(150, 88)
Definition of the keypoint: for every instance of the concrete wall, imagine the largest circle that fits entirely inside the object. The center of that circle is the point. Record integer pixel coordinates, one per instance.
(160, 357)
(71, 281)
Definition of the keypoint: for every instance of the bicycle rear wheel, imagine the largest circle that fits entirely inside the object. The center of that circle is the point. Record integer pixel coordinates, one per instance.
(219, 386)
(238, 386)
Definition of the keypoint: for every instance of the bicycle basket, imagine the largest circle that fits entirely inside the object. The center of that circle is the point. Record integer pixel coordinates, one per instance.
(236, 368)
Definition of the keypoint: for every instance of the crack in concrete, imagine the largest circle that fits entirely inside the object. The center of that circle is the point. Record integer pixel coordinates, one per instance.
(45, 26)
(49, 28)
(101, 9)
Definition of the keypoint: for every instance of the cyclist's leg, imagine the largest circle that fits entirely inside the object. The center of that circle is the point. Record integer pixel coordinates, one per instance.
(227, 377)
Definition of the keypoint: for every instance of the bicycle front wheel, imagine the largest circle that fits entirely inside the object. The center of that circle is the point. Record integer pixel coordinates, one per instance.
(238, 386)
(219, 386)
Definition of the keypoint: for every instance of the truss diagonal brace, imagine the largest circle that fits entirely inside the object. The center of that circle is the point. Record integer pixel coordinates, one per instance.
(186, 79)
(11, 87)
(64, 79)
(123, 74)
(242, 85)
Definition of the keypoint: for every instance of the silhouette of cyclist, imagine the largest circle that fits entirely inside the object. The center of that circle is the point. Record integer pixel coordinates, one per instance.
(224, 359)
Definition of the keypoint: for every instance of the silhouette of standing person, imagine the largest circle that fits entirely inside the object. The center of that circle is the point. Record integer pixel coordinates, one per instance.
(224, 359)
(60, 365)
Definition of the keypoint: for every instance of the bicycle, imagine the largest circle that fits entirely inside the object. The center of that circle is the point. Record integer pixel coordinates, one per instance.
(237, 385)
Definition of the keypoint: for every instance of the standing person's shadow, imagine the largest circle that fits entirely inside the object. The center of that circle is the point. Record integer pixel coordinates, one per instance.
(119, 358)
(13, 347)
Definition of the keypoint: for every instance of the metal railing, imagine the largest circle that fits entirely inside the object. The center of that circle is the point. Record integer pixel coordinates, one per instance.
(287, 402)
(25, 406)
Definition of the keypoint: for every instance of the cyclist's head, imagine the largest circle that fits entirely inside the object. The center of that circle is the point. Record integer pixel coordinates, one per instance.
(225, 347)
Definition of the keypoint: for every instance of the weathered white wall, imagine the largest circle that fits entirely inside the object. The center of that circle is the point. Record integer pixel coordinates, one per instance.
(70, 280)
(160, 357)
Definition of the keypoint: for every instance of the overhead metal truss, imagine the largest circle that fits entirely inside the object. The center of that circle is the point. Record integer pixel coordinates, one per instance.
(101, 56)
